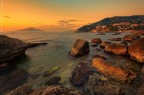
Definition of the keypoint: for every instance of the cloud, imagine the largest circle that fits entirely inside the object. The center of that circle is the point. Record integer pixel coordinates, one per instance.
(7, 17)
(67, 23)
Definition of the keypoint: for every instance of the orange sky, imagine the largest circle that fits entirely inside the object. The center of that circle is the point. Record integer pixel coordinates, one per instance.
(62, 15)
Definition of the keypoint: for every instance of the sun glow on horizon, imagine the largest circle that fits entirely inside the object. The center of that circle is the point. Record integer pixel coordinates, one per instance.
(64, 15)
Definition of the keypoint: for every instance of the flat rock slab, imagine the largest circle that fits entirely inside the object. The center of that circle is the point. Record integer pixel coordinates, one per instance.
(119, 74)
(116, 48)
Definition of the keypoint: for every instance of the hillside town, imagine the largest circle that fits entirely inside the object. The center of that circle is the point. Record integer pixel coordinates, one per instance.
(120, 27)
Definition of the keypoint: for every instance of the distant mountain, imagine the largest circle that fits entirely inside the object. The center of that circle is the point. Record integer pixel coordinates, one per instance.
(117, 23)
(30, 29)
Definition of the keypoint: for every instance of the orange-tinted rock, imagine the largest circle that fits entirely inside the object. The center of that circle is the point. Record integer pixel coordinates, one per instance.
(115, 39)
(99, 56)
(103, 44)
(116, 73)
(116, 48)
(96, 40)
(136, 50)
(80, 48)
(131, 37)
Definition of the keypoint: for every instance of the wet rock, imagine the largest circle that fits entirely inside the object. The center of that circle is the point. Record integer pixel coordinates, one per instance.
(116, 33)
(80, 48)
(100, 33)
(51, 71)
(94, 45)
(96, 40)
(34, 76)
(56, 90)
(136, 50)
(80, 74)
(103, 44)
(22, 90)
(140, 90)
(13, 80)
(117, 73)
(116, 48)
(4, 67)
(50, 90)
(54, 81)
(115, 39)
(10, 48)
(124, 42)
(31, 45)
(138, 33)
(98, 85)
(130, 38)
(100, 56)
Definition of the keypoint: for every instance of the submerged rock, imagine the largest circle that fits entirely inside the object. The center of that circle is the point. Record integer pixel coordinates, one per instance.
(31, 45)
(51, 71)
(10, 48)
(116, 48)
(136, 50)
(98, 85)
(80, 74)
(54, 81)
(50, 90)
(94, 45)
(4, 67)
(13, 80)
(118, 33)
(96, 40)
(116, 73)
(22, 90)
(80, 48)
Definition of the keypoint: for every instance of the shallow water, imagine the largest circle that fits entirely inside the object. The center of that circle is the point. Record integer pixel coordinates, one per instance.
(56, 53)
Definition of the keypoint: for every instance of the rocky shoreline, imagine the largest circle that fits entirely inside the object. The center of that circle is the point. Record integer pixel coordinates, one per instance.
(105, 73)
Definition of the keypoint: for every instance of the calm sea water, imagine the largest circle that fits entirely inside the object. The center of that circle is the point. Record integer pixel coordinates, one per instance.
(55, 54)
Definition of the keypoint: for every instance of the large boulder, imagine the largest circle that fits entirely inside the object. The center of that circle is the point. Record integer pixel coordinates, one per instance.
(116, 48)
(96, 40)
(10, 48)
(49, 90)
(136, 50)
(80, 48)
(80, 74)
(114, 72)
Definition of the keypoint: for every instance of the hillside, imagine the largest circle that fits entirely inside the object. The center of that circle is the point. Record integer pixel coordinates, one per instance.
(117, 23)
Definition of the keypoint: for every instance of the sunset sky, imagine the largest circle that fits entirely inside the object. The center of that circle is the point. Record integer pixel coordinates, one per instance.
(62, 15)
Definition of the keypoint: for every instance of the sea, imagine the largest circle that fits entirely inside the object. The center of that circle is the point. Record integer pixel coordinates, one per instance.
(56, 54)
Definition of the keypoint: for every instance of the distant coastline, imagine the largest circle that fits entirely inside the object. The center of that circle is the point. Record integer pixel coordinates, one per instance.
(116, 23)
